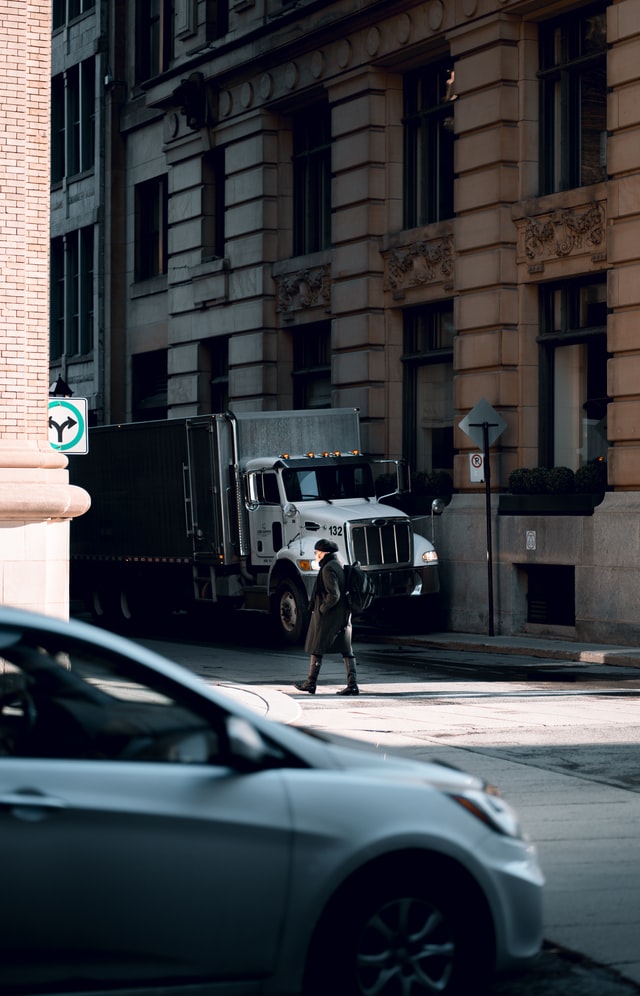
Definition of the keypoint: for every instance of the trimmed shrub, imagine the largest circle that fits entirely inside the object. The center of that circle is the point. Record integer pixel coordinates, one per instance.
(591, 478)
(560, 481)
(528, 481)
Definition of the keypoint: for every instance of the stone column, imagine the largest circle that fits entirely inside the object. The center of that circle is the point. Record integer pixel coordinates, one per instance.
(623, 374)
(36, 500)
(359, 165)
(486, 164)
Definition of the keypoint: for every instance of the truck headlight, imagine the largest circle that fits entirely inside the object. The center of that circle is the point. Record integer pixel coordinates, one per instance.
(308, 565)
(430, 557)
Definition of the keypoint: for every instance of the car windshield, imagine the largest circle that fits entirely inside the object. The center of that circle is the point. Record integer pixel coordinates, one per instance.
(329, 482)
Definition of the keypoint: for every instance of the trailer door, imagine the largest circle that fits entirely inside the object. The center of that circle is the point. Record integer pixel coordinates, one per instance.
(203, 492)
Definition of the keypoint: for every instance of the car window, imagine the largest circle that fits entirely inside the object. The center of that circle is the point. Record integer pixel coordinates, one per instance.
(84, 703)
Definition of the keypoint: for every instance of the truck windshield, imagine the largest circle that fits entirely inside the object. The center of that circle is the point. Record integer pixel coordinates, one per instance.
(329, 482)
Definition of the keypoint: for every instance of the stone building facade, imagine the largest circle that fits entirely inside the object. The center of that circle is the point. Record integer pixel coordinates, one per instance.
(408, 207)
(36, 501)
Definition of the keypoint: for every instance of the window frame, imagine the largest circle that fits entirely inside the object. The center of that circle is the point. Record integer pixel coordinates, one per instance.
(311, 161)
(428, 144)
(72, 319)
(563, 69)
(151, 228)
(423, 323)
(312, 366)
(154, 38)
(564, 296)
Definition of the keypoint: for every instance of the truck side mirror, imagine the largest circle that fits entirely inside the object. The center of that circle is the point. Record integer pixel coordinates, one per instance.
(438, 506)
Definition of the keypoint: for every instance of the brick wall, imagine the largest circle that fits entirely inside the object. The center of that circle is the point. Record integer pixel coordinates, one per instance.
(25, 29)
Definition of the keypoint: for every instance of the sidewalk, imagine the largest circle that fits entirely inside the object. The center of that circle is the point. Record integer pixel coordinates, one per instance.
(524, 646)
(286, 707)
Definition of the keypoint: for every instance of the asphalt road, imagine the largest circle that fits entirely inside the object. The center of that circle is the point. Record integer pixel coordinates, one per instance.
(561, 739)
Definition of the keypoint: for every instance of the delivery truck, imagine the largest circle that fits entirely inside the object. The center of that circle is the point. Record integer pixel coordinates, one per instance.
(225, 509)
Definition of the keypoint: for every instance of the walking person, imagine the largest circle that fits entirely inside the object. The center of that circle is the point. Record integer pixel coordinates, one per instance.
(330, 626)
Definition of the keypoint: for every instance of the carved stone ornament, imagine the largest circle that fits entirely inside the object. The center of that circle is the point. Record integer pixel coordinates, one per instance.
(419, 263)
(309, 288)
(564, 233)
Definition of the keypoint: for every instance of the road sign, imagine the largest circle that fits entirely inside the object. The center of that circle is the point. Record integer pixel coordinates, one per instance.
(483, 414)
(476, 468)
(68, 430)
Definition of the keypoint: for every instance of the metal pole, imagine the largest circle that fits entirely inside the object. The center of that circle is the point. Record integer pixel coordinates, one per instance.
(487, 481)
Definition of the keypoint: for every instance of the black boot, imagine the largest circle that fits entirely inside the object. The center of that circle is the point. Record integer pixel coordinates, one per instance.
(352, 684)
(309, 685)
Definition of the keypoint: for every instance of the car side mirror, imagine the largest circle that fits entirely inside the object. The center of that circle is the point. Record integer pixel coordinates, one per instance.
(245, 743)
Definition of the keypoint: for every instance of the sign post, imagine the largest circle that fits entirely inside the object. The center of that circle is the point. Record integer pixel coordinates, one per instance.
(484, 425)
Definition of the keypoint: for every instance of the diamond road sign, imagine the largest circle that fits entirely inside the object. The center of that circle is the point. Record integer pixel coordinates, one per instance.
(481, 414)
(68, 430)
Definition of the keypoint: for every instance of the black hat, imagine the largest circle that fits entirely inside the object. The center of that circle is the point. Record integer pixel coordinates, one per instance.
(326, 546)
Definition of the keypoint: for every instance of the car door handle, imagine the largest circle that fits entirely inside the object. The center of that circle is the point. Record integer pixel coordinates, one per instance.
(30, 804)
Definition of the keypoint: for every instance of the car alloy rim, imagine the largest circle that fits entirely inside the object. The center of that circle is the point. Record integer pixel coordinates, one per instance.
(406, 947)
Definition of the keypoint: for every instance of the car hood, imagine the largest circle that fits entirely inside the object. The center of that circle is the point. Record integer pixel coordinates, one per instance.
(350, 755)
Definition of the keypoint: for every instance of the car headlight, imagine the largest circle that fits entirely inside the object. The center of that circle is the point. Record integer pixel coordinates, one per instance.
(430, 557)
(490, 808)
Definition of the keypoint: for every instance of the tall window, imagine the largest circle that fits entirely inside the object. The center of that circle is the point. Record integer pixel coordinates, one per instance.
(73, 135)
(67, 10)
(428, 144)
(312, 366)
(154, 37)
(573, 95)
(428, 387)
(312, 180)
(218, 350)
(573, 372)
(151, 232)
(71, 312)
(149, 385)
(217, 12)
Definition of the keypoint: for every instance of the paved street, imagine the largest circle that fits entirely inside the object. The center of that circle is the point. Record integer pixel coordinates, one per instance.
(560, 737)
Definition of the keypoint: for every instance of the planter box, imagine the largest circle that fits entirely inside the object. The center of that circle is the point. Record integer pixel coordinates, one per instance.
(575, 504)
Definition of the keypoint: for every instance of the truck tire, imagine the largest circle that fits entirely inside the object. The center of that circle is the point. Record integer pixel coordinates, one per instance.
(289, 612)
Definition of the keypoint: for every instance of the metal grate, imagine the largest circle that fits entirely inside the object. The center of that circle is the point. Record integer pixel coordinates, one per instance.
(381, 542)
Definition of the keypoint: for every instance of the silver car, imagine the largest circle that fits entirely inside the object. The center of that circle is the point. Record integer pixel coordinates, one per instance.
(157, 836)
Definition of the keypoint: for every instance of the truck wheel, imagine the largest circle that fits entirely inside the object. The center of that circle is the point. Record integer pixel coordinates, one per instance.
(290, 612)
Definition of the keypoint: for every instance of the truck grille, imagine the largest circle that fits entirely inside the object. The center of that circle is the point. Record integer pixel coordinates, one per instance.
(381, 542)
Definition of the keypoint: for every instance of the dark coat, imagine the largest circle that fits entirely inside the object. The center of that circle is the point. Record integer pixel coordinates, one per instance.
(330, 627)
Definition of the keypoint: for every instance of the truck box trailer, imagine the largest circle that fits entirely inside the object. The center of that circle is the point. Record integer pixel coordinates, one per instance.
(226, 508)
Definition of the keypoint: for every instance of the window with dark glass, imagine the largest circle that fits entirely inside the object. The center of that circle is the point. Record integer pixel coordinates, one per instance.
(80, 117)
(58, 129)
(217, 12)
(312, 366)
(312, 180)
(67, 10)
(154, 37)
(573, 100)
(149, 377)
(218, 351)
(428, 387)
(573, 372)
(71, 294)
(151, 228)
(73, 96)
(429, 95)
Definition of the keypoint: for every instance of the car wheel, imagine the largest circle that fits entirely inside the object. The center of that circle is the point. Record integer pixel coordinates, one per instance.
(290, 612)
(401, 940)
